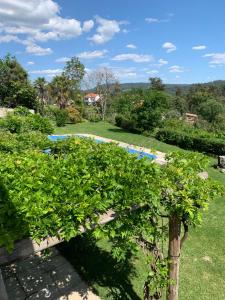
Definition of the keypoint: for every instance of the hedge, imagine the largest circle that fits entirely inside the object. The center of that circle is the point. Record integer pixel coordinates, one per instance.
(192, 141)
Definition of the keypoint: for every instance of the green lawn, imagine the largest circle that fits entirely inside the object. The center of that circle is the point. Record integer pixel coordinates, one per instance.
(203, 256)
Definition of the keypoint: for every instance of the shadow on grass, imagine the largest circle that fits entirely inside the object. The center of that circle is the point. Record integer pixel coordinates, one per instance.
(97, 266)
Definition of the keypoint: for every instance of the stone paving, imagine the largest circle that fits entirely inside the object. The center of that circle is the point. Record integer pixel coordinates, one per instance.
(40, 277)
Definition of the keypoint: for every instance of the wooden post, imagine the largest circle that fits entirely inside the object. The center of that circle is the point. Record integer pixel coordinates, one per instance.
(174, 257)
(3, 293)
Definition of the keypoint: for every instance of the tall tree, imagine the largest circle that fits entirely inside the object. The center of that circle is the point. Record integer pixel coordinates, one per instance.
(15, 89)
(104, 81)
(156, 84)
(61, 90)
(74, 71)
(41, 86)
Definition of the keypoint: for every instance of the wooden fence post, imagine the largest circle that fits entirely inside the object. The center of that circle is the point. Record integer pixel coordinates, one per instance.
(174, 257)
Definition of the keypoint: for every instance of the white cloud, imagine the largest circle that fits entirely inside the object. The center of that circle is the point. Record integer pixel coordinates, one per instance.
(37, 20)
(162, 62)
(106, 30)
(138, 58)
(62, 59)
(124, 73)
(176, 69)
(131, 46)
(216, 58)
(92, 54)
(170, 47)
(9, 38)
(48, 72)
(30, 63)
(152, 20)
(152, 72)
(37, 50)
(88, 25)
(199, 47)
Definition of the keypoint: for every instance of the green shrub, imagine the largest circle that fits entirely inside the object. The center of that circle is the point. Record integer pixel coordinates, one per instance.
(22, 111)
(10, 143)
(91, 114)
(61, 117)
(126, 124)
(13, 124)
(19, 124)
(73, 114)
(197, 141)
(38, 123)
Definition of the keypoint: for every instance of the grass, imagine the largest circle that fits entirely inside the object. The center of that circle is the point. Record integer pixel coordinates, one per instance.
(203, 256)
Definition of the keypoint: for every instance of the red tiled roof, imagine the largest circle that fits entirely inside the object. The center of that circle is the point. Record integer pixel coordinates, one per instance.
(91, 95)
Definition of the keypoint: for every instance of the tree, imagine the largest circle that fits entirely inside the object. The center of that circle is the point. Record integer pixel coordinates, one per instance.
(15, 89)
(156, 84)
(61, 90)
(149, 114)
(41, 87)
(210, 109)
(103, 81)
(74, 71)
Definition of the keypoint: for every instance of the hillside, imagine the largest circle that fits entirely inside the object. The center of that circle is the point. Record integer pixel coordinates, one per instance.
(170, 88)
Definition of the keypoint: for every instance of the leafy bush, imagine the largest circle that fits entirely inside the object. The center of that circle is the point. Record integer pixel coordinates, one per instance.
(19, 124)
(61, 117)
(91, 114)
(10, 143)
(21, 111)
(126, 124)
(193, 140)
(73, 114)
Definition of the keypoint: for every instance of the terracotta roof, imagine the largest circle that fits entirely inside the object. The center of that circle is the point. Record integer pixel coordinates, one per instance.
(92, 95)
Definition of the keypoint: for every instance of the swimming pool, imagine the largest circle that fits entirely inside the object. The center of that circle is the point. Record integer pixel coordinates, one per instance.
(140, 154)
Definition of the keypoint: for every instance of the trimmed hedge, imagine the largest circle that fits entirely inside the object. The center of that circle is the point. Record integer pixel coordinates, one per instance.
(192, 141)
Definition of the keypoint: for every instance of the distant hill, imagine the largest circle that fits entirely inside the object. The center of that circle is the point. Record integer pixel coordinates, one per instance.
(170, 88)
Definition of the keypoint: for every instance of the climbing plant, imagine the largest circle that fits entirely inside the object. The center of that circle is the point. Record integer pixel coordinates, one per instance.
(78, 180)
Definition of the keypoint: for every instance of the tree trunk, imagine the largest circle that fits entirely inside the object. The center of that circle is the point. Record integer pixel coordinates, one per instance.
(174, 257)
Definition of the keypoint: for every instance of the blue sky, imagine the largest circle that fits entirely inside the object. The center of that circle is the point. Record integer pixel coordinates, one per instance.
(179, 41)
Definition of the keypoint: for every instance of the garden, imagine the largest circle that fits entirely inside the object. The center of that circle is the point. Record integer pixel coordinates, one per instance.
(62, 189)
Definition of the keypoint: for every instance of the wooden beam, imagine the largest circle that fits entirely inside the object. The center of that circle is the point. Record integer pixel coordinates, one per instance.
(26, 247)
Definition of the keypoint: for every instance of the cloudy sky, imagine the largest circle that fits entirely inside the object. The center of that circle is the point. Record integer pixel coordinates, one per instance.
(180, 41)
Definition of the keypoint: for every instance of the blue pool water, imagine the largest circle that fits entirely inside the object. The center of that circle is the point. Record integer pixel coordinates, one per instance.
(140, 154)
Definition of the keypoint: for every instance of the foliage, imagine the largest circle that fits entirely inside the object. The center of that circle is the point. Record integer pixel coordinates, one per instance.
(21, 111)
(15, 88)
(91, 178)
(156, 84)
(91, 114)
(32, 122)
(73, 114)
(74, 71)
(61, 116)
(149, 114)
(60, 88)
(11, 143)
(211, 109)
(193, 140)
(126, 124)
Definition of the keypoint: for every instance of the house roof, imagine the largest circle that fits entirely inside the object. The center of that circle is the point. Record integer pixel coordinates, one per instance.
(91, 95)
